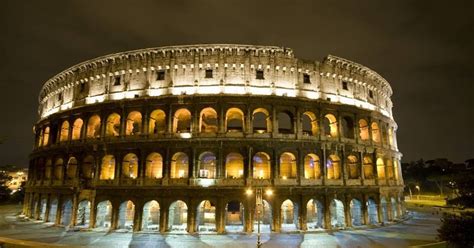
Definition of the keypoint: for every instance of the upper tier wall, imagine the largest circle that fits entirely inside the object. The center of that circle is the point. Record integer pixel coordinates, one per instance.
(234, 70)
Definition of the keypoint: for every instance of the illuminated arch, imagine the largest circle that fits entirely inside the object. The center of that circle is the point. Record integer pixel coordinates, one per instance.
(234, 120)
(46, 136)
(157, 123)
(112, 127)
(352, 167)
(234, 165)
(208, 121)
(207, 165)
(151, 216)
(261, 121)
(330, 125)
(310, 123)
(107, 168)
(390, 137)
(179, 165)
(182, 121)
(261, 166)
(375, 132)
(77, 129)
(154, 166)
(93, 127)
(130, 166)
(312, 166)
(134, 123)
(380, 169)
(48, 169)
(368, 168)
(288, 165)
(389, 169)
(126, 215)
(206, 217)
(40, 138)
(333, 167)
(64, 134)
(71, 168)
(364, 129)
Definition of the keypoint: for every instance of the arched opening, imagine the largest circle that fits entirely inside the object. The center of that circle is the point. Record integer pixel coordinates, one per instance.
(83, 213)
(337, 214)
(88, 167)
(104, 215)
(207, 165)
(389, 169)
(234, 166)
(363, 129)
(285, 122)
(130, 166)
(182, 121)
(53, 210)
(330, 126)
(178, 217)
(77, 129)
(234, 120)
(71, 168)
(394, 205)
(66, 213)
(261, 121)
(372, 211)
(234, 217)
(157, 123)
(310, 123)
(384, 209)
(179, 165)
(58, 169)
(261, 166)
(356, 212)
(40, 138)
(314, 215)
(390, 136)
(208, 121)
(312, 167)
(352, 167)
(134, 123)
(206, 217)
(48, 169)
(154, 166)
(126, 215)
(93, 127)
(333, 167)
(112, 127)
(151, 216)
(396, 166)
(375, 132)
(46, 136)
(64, 134)
(384, 133)
(42, 210)
(107, 168)
(347, 127)
(287, 165)
(368, 168)
(380, 169)
(289, 216)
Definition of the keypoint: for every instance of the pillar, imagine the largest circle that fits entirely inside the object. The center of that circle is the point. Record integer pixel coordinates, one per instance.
(115, 215)
(191, 217)
(93, 213)
(220, 216)
(302, 214)
(327, 212)
(347, 210)
(164, 218)
(276, 213)
(137, 217)
(365, 213)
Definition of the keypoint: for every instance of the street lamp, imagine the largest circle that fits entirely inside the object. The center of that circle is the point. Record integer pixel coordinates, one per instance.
(418, 188)
(259, 207)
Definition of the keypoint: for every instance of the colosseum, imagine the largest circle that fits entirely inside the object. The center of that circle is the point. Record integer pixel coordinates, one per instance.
(183, 138)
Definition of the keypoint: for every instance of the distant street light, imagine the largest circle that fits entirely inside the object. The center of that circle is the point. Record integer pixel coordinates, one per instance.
(418, 188)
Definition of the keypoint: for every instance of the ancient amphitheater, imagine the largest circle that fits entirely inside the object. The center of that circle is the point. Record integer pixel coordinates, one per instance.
(181, 139)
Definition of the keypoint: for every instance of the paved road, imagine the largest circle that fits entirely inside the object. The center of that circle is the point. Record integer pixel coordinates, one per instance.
(420, 229)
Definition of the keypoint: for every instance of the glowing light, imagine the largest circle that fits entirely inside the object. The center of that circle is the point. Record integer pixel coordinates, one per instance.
(181, 173)
(248, 192)
(185, 135)
(269, 192)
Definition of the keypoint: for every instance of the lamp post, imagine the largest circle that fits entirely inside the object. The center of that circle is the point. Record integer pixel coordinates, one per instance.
(259, 208)
(418, 188)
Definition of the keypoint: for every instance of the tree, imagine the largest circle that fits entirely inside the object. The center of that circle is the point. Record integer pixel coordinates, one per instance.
(457, 230)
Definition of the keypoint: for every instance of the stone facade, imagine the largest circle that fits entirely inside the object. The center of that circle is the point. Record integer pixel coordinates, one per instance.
(170, 139)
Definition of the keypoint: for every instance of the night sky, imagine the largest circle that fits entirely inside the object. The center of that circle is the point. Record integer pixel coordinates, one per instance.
(423, 48)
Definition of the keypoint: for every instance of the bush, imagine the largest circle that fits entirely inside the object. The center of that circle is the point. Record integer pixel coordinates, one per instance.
(457, 230)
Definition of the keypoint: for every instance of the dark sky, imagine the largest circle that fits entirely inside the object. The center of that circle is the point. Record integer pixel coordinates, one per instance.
(423, 48)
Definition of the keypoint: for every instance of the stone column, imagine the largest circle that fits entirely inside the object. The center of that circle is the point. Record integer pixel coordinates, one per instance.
(221, 120)
(302, 214)
(249, 163)
(115, 215)
(249, 216)
(75, 203)
(191, 217)
(220, 216)
(327, 212)
(164, 218)
(137, 217)
(93, 213)
(48, 206)
(324, 167)
(347, 210)
(276, 208)
(365, 212)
